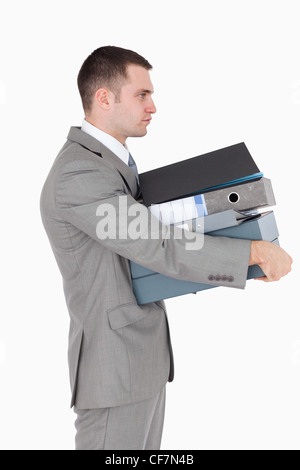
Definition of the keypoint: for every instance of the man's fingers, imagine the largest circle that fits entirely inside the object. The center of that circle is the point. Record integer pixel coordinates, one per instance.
(273, 260)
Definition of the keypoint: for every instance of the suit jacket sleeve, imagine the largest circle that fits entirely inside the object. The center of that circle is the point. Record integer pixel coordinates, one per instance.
(89, 191)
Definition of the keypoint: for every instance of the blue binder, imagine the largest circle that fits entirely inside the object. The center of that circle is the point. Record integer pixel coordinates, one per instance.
(150, 286)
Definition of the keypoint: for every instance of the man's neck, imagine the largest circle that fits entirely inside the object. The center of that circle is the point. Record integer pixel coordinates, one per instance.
(105, 129)
(106, 139)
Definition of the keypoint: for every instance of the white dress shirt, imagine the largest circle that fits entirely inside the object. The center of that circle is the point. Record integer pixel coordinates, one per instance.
(110, 142)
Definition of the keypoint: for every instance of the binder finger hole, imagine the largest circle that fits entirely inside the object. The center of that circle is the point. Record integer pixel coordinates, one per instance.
(233, 198)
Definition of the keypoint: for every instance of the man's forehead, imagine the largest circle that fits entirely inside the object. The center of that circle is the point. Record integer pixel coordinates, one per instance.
(139, 78)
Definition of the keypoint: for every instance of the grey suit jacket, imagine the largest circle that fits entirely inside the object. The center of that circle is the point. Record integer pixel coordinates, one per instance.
(119, 352)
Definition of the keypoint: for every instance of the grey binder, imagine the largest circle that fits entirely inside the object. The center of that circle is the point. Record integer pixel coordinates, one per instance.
(254, 194)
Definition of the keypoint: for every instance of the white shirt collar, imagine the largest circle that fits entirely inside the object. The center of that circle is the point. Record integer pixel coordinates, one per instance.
(110, 142)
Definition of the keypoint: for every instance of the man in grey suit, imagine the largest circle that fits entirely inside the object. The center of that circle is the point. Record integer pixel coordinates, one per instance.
(120, 354)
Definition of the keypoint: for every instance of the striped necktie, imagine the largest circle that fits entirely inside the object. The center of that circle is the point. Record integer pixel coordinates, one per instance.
(131, 164)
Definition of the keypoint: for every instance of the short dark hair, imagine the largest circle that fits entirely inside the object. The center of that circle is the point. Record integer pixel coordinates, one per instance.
(106, 66)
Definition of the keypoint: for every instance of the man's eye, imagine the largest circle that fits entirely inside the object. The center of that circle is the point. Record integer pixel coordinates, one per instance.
(142, 95)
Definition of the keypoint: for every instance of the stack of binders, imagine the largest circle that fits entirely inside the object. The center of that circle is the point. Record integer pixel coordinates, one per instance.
(222, 193)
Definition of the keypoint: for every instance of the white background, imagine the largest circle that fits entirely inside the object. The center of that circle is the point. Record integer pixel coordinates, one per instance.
(224, 72)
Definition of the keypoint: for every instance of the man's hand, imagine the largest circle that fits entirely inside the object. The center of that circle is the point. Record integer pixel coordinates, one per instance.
(272, 259)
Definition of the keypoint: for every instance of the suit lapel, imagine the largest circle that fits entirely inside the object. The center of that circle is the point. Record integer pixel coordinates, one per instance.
(93, 145)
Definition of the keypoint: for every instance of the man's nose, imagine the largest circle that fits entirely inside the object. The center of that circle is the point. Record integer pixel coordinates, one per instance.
(151, 108)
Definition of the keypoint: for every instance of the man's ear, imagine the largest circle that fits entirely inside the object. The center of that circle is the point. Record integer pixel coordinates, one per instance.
(103, 98)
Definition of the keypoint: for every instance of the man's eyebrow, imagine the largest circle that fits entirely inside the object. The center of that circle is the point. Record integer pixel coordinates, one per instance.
(142, 90)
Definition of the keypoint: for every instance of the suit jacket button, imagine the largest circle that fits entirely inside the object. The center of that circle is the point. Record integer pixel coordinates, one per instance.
(218, 278)
(224, 278)
(211, 277)
(230, 278)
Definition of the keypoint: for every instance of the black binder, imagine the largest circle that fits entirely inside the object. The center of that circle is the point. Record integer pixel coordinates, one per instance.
(199, 174)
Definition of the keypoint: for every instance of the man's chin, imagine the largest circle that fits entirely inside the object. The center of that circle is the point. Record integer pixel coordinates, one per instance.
(141, 133)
